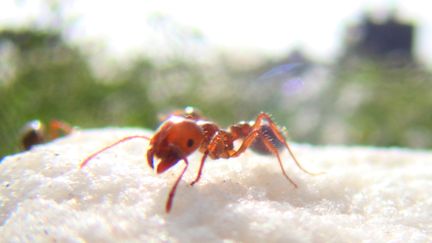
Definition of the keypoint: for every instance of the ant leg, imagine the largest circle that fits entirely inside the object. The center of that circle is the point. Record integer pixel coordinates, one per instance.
(110, 146)
(246, 143)
(274, 150)
(174, 187)
(249, 140)
(281, 138)
(200, 169)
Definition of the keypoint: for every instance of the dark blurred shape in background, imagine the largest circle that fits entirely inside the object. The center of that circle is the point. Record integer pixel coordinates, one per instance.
(392, 38)
(375, 93)
(389, 40)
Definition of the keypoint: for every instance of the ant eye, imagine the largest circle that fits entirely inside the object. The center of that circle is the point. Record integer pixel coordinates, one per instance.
(190, 142)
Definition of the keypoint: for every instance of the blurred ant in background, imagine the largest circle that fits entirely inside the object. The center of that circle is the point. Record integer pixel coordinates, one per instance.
(184, 132)
(34, 132)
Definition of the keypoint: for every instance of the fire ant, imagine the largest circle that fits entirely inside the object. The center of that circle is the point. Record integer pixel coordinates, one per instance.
(184, 132)
(34, 132)
(257, 145)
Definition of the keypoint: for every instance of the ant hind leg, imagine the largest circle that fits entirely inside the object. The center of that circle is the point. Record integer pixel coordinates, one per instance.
(281, 138)
(274, 150)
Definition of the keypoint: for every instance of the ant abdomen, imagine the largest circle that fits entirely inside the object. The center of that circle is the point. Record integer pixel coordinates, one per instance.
(32, 133)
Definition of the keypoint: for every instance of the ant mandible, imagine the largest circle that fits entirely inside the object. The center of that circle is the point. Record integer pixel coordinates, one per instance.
(184, 132)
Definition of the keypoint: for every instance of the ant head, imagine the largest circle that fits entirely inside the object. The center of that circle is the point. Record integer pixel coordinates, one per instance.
(175, 139)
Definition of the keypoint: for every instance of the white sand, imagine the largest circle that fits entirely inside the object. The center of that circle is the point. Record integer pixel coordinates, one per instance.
(367, 194)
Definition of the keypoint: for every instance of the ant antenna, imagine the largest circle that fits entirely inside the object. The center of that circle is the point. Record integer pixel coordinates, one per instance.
(110, 146)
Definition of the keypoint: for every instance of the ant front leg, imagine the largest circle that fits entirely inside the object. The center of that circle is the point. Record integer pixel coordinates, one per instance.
(200, 168)
(172, 192)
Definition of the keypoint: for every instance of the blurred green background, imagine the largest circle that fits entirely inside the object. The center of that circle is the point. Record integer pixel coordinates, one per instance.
(357, 98)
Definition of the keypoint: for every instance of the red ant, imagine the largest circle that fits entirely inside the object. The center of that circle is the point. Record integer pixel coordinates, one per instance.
(34, 132)
(184, 132)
